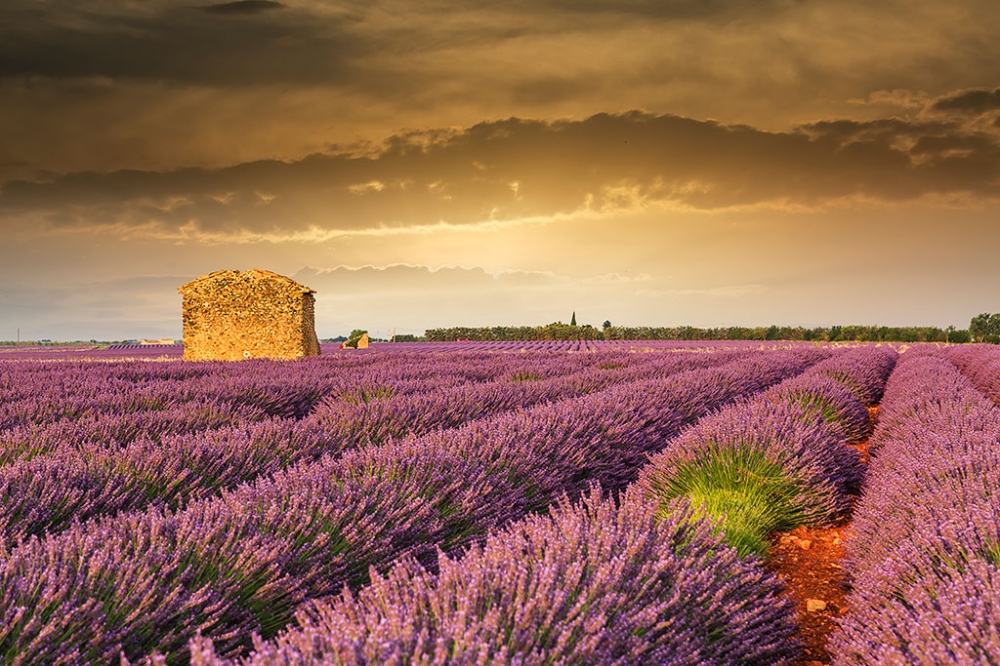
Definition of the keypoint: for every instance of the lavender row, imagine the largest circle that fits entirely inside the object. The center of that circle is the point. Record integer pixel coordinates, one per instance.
(131, 352)
(981, 364)
(78, 480)
(641, 583)
(242, 563)
(778, 460)
(39, 393)
(925, 543)
(593, 582)
(117, 403)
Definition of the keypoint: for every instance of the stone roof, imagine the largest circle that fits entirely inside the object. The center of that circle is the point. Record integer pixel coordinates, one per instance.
(252, 273)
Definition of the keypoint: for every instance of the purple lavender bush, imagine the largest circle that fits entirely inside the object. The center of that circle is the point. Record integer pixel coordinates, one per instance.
(936, 463)
(758, 466)
(820, 395)
(242, 562)
(981, 364)
(863, 370)
(939, 484)
(778, 460)
(949, 621)
(925, 542)
(592, 583)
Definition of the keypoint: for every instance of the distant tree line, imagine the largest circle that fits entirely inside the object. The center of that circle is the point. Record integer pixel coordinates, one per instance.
(986, 328)
(554, 331)
(560, 331)
(855, 333)
(356, 335)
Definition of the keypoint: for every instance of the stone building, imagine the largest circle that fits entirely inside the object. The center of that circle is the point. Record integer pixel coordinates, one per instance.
(231, 315)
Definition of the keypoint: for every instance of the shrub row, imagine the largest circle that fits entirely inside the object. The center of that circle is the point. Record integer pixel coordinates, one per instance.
(981, 364)
(646, 582)
(73, 480)
(925, 541)
(591, 583)
(242, 563)
(778, 460)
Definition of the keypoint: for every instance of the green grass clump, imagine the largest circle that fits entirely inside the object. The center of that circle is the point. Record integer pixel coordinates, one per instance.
(818, 404)
(745, 495)
(366, 394)
(526, 376)
(859, 390)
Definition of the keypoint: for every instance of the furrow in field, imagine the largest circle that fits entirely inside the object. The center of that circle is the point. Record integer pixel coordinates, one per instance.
(647, 581)
(923, 548)
(80, 481)
(241, 563)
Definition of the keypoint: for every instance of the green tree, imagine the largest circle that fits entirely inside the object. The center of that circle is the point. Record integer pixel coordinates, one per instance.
(985, 328)
(572, 321)
(959, 336)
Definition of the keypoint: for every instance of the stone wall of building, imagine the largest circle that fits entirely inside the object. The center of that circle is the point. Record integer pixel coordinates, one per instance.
(231, 315)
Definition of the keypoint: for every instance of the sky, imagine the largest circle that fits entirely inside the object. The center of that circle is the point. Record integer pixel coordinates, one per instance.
(433, 163)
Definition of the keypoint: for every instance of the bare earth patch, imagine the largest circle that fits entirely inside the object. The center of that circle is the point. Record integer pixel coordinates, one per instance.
(809, 560)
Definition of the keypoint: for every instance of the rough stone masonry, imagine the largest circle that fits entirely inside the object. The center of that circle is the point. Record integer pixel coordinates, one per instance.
(231, 315)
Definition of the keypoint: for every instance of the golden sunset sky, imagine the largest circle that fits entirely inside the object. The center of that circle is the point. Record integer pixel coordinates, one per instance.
(426, 163)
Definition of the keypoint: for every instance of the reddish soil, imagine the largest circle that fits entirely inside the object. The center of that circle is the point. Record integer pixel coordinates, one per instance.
(809, 560)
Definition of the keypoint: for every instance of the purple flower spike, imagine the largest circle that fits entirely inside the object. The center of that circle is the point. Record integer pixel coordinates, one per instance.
(925, 542)
(591, 584)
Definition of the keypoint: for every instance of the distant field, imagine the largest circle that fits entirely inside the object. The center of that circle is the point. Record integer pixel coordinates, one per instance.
(161, 352)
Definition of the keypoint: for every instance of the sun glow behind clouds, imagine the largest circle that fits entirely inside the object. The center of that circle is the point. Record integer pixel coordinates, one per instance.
(531, 170)
(563, 149)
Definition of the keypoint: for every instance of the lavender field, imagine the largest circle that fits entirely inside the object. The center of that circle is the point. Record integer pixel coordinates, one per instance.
(493, 503)
(166, 352)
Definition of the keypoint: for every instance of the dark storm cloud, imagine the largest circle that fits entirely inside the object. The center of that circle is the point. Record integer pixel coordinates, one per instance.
(973, 102)
(242, 7)
(513, 169)
(154, 84)
(251, 41)
(175, 42)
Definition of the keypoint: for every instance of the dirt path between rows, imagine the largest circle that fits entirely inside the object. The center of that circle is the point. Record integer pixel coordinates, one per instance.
(810, 561)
